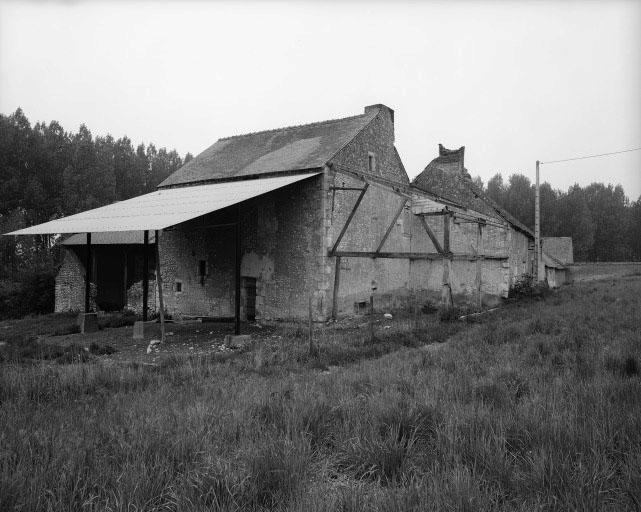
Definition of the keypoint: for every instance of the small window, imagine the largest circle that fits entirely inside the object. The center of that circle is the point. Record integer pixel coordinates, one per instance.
(202, 270)
(179, 286)
(371, 163)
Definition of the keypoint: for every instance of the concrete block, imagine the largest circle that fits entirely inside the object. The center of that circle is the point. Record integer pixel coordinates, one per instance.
(88, 322)
(237, 341)
(139, 330)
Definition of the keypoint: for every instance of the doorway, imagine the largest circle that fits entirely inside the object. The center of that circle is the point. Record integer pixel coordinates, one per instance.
(249, 289)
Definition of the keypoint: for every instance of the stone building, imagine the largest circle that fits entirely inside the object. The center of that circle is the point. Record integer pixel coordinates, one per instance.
(342, 222)
(117, 272)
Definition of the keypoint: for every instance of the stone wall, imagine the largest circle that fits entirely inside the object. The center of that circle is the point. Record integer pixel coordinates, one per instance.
(496, 275)
(281, 242)
(70, 284)
(368, 226)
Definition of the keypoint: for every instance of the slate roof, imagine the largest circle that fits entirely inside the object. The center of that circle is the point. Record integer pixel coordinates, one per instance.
(445, 176)
(560, 248)
(110, 238)
(293, 148)
(550, 261)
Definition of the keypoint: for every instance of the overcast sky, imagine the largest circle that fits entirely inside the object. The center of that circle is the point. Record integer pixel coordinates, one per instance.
(513, 82)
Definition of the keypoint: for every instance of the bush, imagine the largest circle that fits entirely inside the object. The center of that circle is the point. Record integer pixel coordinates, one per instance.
(525, 287)
(33, 293)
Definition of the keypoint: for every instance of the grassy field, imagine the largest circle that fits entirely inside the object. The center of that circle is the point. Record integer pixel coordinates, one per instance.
(536, 406)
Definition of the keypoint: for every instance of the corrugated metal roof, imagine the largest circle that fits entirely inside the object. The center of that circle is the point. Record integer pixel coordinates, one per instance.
(163, 208)
(294, 148)
(110, 238)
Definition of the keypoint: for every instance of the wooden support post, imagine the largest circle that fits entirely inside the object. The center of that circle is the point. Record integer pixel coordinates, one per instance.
(237, 275)
(337, 280)
(349, 219)
(145, 275)
(161, 301)
(88, 268)
(124, 277)
(446, 293)
(312, 348)
(537, 229)
(479, 265)
(391, 226)
(371, 318)
(446, 233)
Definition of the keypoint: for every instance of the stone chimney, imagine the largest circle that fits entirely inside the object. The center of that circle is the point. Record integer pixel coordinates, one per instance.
(380, 106)
(452, 160)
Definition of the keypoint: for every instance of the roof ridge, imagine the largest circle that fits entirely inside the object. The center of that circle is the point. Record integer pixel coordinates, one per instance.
(292, 127)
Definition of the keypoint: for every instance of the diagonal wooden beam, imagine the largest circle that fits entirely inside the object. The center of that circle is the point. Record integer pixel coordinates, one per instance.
(391, 226)
(349, 219)
(432, 236)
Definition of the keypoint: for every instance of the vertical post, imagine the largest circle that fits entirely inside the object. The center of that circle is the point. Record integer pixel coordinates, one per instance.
(237, 275)
(159, 286)
(446, 292)
(371, 318)
(310, 327)
(337, 280)
(446, 233)
(124, 278)
(145, 275)
(479, 265)
(537, 228)
(88, 267)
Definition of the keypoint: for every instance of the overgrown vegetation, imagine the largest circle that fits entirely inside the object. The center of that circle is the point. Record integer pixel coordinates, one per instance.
(534, 407)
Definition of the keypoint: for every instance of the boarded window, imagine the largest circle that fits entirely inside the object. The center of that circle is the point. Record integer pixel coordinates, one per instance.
(371, 163)
(202, 270)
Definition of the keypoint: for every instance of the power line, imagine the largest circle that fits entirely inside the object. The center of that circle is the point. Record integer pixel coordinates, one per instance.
(591, 156)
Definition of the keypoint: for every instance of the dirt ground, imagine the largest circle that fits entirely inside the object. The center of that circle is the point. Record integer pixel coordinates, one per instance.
(182, 338)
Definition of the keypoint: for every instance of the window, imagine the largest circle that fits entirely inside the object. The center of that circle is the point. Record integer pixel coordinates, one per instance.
(179, 286)
(371, 163)
(202, 270)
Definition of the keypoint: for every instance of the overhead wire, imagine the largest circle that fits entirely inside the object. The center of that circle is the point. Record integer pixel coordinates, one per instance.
(590, 156)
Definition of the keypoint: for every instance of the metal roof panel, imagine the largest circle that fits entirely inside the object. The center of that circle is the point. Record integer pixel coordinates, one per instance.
(163, 208)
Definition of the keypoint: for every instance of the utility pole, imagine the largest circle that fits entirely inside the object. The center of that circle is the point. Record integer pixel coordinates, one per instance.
(537, 228)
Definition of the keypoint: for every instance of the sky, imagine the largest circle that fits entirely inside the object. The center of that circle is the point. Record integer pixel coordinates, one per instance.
(514, 82)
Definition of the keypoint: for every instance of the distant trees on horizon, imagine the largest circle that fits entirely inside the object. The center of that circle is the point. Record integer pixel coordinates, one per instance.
(603, 223)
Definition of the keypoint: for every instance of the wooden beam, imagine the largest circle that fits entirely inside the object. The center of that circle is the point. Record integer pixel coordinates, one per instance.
(161, 301)
(415, 255)
(88, 265)
(400, 189)
(337, 281)
(431, 234)
(433, 214)
(346, 188)
(145, 275)
(479, 265)
(351, 216)
(199, 226)
(446, 291)
(391, 226)
(446, 233)
(395, 255)
(237, 275)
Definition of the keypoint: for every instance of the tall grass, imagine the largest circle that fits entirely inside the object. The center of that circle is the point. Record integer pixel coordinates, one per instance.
(536, 407)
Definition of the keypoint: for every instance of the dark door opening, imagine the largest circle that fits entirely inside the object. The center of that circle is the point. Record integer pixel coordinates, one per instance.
(110, 268)
(249, 286)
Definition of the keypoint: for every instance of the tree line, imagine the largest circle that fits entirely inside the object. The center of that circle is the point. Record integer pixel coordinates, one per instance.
(46, 173)
(603, 223)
